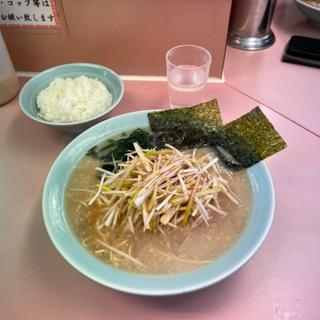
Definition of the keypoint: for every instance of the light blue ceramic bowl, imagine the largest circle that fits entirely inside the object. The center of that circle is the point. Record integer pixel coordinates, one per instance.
(30, 91)
(66, 243)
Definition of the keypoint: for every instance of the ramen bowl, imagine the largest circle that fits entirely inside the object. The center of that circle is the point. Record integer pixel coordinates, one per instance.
(310, 11)
(66, 243)
(30, 91)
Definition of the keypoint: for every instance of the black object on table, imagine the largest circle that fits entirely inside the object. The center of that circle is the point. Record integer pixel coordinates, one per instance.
(302, 50)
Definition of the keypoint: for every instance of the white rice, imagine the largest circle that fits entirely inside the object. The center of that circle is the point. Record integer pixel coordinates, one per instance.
(71, 100)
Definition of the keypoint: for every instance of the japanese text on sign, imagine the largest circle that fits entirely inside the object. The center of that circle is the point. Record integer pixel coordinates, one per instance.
(29, 13)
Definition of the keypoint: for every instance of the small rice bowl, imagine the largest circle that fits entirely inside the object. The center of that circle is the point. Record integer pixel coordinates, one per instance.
(73, 100)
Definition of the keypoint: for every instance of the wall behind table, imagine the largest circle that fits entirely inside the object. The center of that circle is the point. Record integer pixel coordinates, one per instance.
(129, 36)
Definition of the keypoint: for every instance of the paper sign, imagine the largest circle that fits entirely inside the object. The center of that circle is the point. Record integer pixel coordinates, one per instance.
(29, 14)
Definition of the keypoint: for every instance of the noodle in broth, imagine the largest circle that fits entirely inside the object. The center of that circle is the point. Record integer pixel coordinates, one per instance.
(164, 250)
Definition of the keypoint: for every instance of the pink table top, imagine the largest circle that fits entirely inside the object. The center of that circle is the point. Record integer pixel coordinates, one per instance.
(289, 89)
(281, 282)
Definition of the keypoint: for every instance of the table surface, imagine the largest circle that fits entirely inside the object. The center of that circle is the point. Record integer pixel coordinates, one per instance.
(291, 90)
(281, 282)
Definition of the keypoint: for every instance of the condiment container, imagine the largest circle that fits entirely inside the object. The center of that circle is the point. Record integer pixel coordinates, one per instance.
(249, 26)
(9, 84)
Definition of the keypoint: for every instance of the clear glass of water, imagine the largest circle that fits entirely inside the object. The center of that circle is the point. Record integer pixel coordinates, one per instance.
(187, 73)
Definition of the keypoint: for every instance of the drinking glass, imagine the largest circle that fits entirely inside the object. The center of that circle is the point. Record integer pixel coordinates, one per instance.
(187, 73)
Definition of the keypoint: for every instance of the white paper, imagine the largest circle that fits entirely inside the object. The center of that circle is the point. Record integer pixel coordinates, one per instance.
(29, 14)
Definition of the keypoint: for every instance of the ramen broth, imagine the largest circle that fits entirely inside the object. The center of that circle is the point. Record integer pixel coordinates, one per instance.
(167, 252)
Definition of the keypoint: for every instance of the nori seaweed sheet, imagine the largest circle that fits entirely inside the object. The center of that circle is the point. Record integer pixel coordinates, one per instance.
(186, 127)
(116, 149)
(239, 144)
(247, 140)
